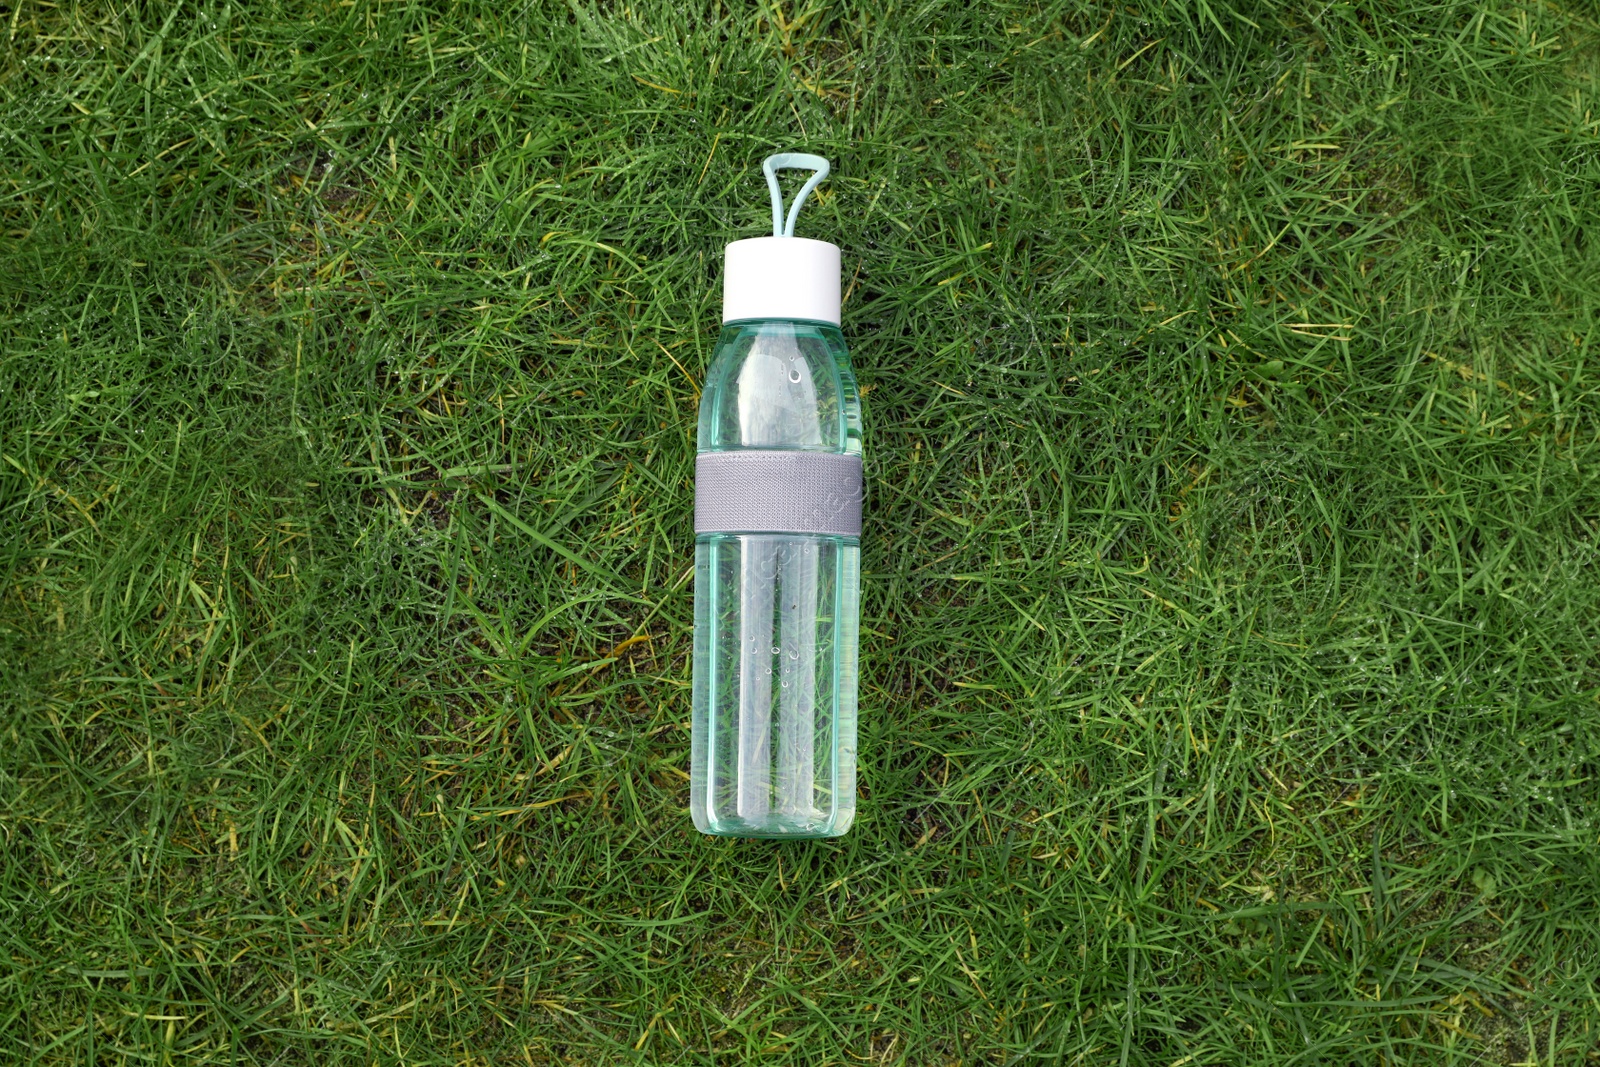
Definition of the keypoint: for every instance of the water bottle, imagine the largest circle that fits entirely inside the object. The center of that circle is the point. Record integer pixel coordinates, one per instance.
(777, 543)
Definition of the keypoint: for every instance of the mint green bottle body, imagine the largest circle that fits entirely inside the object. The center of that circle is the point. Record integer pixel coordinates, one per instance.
(776, 614)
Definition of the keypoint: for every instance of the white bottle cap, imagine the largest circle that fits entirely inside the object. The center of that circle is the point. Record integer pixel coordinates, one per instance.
(781, 278)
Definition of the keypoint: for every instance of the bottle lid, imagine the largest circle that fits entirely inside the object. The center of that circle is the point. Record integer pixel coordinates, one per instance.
(783, 276)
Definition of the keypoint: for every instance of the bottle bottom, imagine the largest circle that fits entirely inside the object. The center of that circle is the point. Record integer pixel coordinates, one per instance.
(775, 827)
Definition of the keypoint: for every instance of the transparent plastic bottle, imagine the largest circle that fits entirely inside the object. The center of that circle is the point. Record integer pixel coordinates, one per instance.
(776, 611)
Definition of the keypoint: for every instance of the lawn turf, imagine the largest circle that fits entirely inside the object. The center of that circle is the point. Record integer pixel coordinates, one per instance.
(1231, 577)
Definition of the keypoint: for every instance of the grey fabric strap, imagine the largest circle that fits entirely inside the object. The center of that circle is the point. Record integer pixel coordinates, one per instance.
(777, 492)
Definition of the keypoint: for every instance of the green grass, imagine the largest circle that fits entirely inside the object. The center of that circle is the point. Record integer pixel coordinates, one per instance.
(1231, 626)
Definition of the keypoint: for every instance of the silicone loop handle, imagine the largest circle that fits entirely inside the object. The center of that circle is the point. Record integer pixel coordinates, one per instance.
(786, 161)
